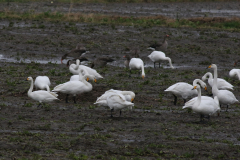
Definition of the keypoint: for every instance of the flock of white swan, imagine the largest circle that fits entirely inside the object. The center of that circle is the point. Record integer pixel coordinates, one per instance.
(118, 100)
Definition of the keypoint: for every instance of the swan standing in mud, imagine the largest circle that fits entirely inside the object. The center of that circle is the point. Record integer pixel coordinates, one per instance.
(41, 96)
(42, 82)
(75, 87)
(182, 89)
(117, 101)
(224, 96)
(235, 73)
(206, 107)
(137, 64)
(221, 83)
(157, 56)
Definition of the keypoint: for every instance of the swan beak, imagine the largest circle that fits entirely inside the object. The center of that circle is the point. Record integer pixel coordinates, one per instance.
(142, 76)
(205, 88)
(194, 87)
(132, 100)
(210, 66)
(95, 80)
(87, 79)
(27, 79)
(124, 56)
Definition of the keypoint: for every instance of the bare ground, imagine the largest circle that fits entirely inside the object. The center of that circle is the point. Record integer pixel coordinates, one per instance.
(154, 129)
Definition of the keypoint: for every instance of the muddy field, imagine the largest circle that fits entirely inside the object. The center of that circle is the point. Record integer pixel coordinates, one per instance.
(154, 129)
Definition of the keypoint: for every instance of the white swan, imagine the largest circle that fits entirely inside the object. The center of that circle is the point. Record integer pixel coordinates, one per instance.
(157, 56)
(117, 101)
(79, 77)
(224, 96)
(182, 89)
(42, 82)
(137, 63)
(206, 107)
(235, 73)
(75, 87)
(41, 96)
(76, 68)
(102, 100)
(221, 83)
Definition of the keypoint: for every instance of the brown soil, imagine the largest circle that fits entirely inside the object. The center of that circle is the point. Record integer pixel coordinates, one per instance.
(154, 129)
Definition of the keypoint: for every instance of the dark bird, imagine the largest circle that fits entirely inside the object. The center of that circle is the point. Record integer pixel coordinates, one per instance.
(101, 61)
(160, 46)
(75, 53)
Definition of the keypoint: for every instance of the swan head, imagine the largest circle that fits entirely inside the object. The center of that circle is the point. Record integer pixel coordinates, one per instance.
(212, 66)
(203, 85)
(29, 78)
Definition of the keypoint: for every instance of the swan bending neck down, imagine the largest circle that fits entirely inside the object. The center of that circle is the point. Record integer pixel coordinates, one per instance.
(41, 96)
(204, 107)
(42, 82)
(235, 73)
(224, 96)
(137, 63)
(75, 87)
(157, 56)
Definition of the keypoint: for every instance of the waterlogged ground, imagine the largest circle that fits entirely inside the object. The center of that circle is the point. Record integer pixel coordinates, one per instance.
(154, 129)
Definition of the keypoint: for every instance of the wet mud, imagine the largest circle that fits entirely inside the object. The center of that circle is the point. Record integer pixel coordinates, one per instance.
(154, 129)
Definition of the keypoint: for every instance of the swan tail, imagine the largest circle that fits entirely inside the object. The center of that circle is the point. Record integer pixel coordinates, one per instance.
(54, 94)
(186, 107)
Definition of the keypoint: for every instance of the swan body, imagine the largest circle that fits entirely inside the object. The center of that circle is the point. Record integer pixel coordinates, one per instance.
(207, 106)
(184, 90)
(117, 101)
(224, 96)
(157, 56)
(41, 96)
(221, 83)
(235, 73)
(102, 100)
(42, 82)
(74, 87)
(137, 63)
(76, 68)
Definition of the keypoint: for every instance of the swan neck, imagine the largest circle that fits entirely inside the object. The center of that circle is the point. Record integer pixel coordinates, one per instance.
(77, 65)
(170, 62)
(143, 73)
(199, 97)
(31, 87)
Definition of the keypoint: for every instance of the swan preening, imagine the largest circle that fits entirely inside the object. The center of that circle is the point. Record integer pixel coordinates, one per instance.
(224, 96)
(221, 83)
(42, 82)
(203, 106)
(41, 96)
(137, 63)
(235, 73)
(75, 87)
(157, 56)
(184, 90)
(76, 68)
(116, 101)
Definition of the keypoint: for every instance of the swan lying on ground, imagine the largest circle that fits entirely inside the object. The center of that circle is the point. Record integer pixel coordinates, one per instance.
(206, 107)
(41, 96)
(182, 89)
(75, 87)
(221, 83)
(42, 82)
(102, 100)
(117, 101)
(224, 96)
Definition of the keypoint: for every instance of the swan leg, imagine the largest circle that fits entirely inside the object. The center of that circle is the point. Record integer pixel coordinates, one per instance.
(111, 112)
(184, 100)
(175, 100)
(120, 113)
(67, 98)
(159, 64)
(74, 99)
(154, 64)
(227, 108)
(129, 72)
(201, 117)
(39, 105)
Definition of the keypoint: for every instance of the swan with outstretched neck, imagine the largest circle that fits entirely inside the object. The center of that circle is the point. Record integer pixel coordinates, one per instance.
(41, 96)
(221, 83)
(157, 56)
(224, 96)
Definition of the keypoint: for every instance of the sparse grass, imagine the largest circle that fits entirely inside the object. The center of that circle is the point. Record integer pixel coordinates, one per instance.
(114, 1)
